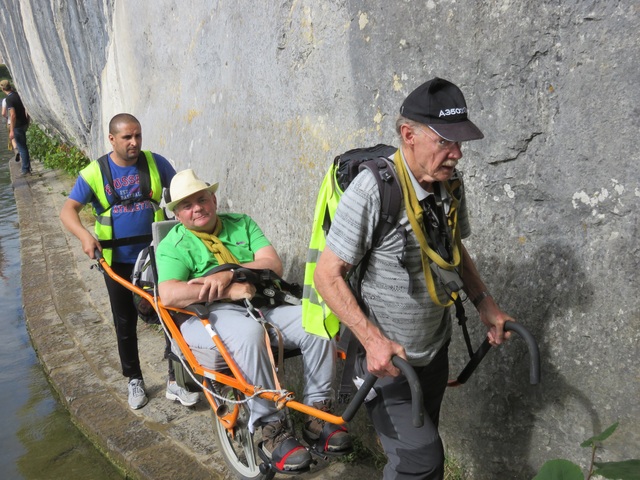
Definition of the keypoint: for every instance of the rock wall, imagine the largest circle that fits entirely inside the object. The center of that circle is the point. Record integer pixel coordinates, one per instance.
(261, 95)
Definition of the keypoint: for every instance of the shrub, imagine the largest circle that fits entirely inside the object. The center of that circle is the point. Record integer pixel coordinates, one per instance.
(55, 154)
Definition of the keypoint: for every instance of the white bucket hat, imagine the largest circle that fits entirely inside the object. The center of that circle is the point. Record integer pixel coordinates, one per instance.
(184, 184)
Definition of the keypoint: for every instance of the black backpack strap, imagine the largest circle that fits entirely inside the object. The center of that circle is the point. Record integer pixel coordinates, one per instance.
(121, 242)
(145, 176)
(390, 195)
(349, 344)
(145, 188)
(390, 205)
(462, 321)
(105, 169)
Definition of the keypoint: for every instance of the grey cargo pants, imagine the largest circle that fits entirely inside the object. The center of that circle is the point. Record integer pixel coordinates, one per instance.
(244, 338)
(412, 453)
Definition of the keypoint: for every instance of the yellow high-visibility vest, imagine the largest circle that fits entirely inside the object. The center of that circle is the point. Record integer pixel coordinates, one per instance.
(104, 224)
(317, 317)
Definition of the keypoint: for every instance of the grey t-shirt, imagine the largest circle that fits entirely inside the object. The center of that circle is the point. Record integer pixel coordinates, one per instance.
(406, 316)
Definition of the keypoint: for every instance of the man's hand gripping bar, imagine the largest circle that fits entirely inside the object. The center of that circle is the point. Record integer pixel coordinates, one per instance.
(370, 380)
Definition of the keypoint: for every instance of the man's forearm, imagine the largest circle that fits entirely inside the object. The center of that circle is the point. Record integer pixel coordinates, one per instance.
(329, 280)
(490, 313)
(211, 288)
(70, 217)
(179, 294)
(266, 258)
(330, 283)
(339, 297)
(473, 284)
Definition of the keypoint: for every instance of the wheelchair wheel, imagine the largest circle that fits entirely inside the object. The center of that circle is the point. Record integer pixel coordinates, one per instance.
(239, 450)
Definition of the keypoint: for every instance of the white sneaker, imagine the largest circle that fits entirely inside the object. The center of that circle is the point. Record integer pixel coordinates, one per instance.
(176, 392)
(137, 397)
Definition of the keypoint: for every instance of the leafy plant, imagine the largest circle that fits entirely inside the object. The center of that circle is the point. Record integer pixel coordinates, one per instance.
(54, 153)
(452, 469)
(560, 469)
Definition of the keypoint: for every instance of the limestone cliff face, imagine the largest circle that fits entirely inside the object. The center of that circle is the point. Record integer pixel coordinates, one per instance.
(260, 96)
(56, 52)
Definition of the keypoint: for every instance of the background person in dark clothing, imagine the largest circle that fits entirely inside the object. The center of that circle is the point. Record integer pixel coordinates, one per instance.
(19, 122)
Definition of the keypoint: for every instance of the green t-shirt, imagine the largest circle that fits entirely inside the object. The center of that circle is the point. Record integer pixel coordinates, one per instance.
(183, 256)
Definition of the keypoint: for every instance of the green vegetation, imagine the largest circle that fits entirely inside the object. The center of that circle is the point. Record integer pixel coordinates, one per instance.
(363, 454)
(4, 72)
(452, 469)
(55, 154)
(4, 75)
(561, 469)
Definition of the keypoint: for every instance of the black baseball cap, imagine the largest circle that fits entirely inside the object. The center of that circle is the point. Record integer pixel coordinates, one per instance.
(440, 105)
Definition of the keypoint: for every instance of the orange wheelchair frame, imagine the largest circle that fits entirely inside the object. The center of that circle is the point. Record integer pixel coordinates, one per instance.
(233, 390)
(231, 421)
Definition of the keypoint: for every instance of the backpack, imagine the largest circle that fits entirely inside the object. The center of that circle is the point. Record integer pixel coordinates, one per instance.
(316, 316)
(346, 168)
(144, 276)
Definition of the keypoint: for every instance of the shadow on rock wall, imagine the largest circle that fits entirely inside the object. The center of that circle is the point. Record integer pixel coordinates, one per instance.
(498, 424)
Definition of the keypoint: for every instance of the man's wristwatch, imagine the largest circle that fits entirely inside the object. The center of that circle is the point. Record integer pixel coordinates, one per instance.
(477, 300)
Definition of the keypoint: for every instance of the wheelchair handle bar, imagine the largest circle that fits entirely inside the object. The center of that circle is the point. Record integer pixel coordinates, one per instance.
(532, 345)
(370, 380)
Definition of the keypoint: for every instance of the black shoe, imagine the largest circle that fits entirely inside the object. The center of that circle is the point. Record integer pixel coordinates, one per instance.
(283, 450)
(325, 437)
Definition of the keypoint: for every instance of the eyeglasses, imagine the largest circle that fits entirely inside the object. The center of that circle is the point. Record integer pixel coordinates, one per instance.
(441, 142)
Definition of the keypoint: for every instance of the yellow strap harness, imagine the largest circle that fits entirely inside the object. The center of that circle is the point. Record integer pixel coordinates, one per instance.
(415, 213)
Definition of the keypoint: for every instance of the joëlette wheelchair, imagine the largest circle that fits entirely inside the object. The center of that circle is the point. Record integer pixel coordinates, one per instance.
(228, 392)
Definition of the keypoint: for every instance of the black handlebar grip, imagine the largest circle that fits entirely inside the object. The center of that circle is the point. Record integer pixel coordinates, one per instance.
(532, 345)
(370, 380)
(359, 397)
(414, 386)
(97, 254)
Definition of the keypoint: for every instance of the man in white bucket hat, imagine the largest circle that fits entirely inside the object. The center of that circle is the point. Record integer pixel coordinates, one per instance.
(204, 240)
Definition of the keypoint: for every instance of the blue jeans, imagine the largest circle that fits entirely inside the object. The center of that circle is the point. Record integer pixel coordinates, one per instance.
(20, 136)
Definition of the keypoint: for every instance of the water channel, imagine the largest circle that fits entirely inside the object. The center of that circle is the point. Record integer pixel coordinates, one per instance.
(38, 441)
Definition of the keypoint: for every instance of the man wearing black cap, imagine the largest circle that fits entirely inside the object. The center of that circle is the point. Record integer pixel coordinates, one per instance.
(413, 276)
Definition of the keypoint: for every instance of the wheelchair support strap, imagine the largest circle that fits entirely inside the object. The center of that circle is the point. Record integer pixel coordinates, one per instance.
(277, 369)
(256, 314)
